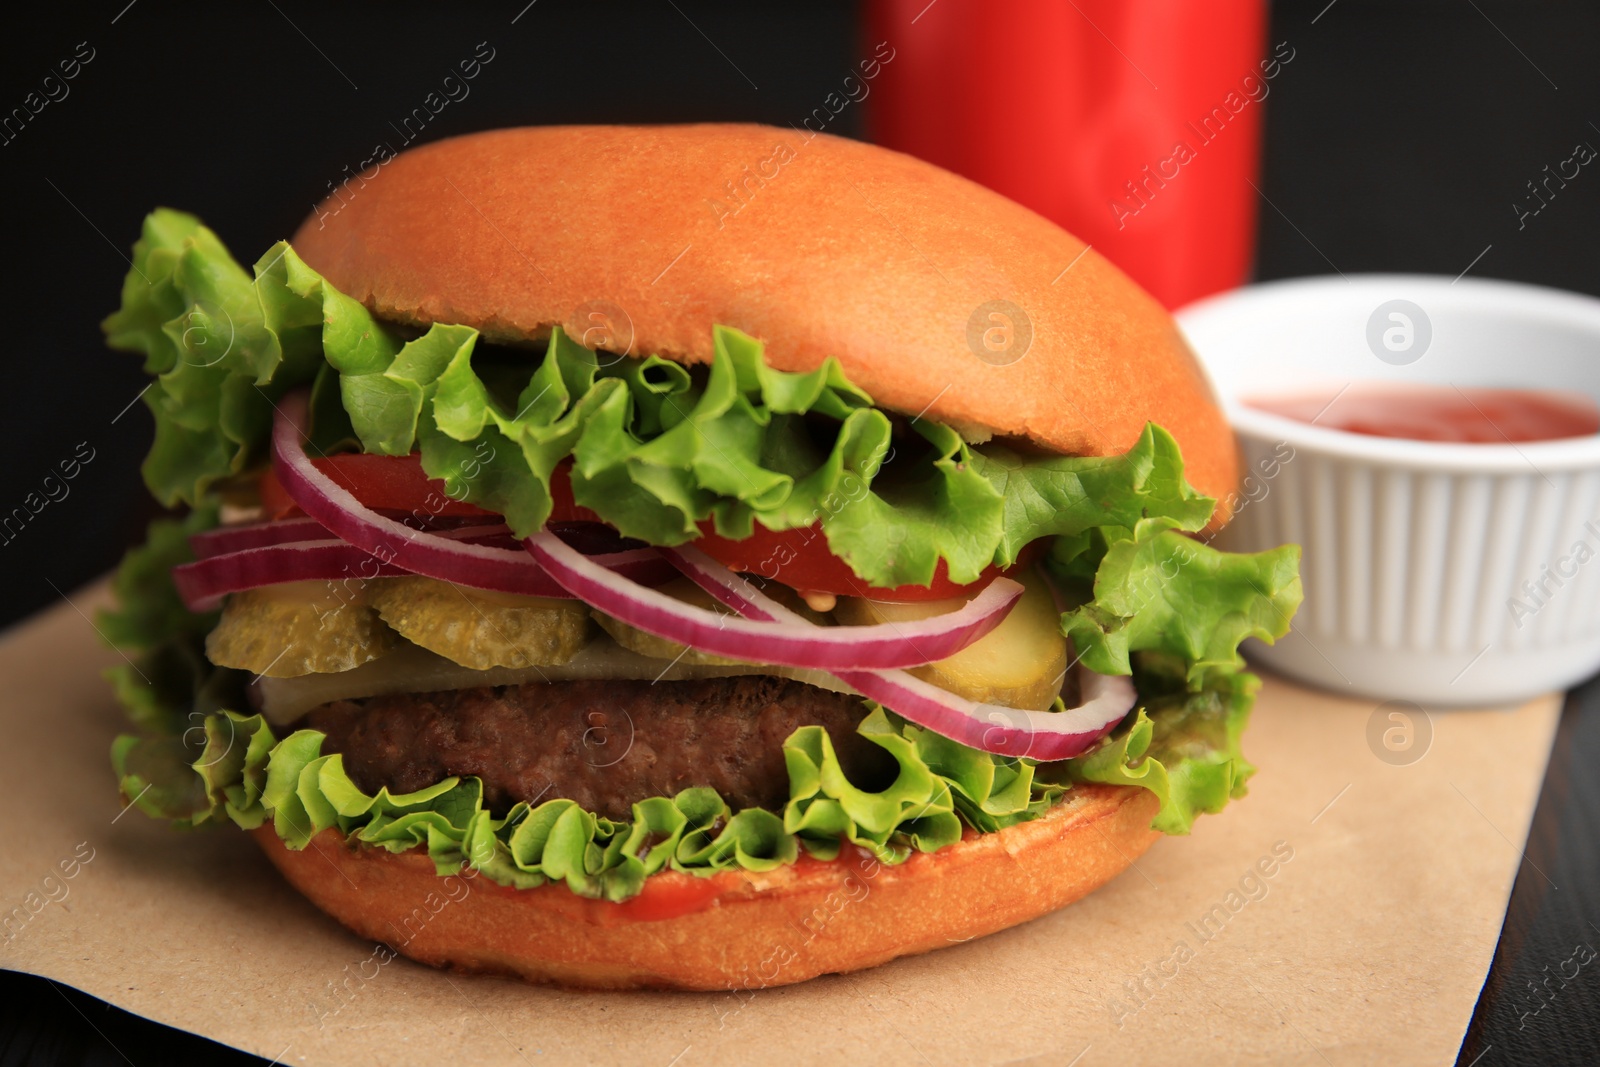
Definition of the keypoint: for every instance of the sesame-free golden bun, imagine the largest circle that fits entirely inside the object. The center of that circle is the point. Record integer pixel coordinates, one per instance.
(736, 929)
(938, 296)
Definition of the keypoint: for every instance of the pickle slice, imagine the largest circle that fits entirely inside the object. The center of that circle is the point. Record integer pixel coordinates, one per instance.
(481, 629)
(1018, 664)
(297, 628)
(685, 590)
(635, 640)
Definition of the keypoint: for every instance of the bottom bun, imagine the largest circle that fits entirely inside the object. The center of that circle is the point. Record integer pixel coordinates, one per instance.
(736, 929)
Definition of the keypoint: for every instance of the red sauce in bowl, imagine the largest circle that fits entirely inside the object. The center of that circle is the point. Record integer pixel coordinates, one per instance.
(1442, 412)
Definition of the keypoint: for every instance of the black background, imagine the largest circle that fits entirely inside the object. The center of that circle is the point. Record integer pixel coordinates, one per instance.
(1399, 140)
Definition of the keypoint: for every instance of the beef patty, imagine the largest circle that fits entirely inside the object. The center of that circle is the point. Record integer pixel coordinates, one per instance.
(604, 744)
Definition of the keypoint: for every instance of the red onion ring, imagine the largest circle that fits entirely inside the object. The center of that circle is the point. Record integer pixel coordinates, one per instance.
(772, 640)
(225, 539)
(205, 582)
(1041, 735)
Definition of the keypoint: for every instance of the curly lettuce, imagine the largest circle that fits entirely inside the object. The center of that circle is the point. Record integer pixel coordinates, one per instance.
(656, 449)
(1155, 590)
(1183, 747)
(164, 674)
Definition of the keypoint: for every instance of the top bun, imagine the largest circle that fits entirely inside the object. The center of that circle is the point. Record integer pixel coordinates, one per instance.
(938, 296)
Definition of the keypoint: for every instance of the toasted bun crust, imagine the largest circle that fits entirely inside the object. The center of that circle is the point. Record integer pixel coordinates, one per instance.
(639, 238)
(734, 930)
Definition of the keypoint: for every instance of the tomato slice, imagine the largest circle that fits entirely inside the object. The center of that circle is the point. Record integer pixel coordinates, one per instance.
(798, 558)
(801, 559)
(398, 483)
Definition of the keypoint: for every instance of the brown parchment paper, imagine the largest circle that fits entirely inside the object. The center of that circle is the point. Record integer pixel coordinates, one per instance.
(1368, 941)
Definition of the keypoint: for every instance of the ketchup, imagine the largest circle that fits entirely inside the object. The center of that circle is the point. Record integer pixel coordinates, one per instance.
(1442, 412)
(669, 898)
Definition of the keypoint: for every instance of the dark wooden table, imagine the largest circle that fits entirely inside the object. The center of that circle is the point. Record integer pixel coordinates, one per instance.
(1541, 1003)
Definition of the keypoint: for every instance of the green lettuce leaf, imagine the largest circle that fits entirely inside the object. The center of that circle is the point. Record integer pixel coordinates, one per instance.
(1066, 496)
(149, 610)
(1184, 748)
(657, 449)
(164, 682)
(1156, 590)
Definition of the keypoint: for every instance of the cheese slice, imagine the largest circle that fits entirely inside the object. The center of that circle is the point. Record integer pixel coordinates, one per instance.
(410, 669)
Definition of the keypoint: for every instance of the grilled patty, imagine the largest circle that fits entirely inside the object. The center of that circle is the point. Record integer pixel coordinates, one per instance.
(604, 744)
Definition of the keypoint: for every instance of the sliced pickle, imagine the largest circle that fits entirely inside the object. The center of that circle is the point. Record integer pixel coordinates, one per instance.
(297, 628)
(644, 644)
(1018, 664)
(480, 629)
(683, 589)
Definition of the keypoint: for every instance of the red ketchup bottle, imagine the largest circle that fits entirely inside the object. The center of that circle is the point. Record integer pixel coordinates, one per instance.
(1135, 124)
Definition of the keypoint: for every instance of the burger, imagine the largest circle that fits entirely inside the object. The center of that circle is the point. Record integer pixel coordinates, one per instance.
(696, 557)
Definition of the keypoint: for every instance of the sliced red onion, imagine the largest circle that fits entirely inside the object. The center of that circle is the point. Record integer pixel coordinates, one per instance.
(905, 644)
(1040, 735)
(225, 539)
(204, 583)
(481, 566)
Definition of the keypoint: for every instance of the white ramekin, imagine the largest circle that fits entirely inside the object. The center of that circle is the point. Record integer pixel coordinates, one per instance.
(1450, 574)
